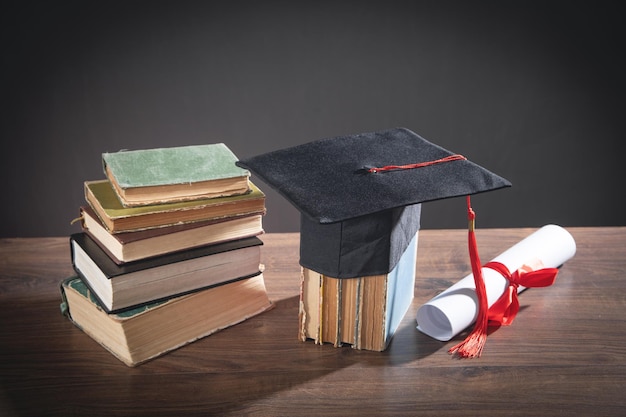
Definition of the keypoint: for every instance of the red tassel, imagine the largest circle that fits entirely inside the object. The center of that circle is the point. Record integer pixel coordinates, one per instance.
(472, 346)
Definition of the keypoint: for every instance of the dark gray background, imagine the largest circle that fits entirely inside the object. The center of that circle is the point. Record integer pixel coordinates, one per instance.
(532, 91)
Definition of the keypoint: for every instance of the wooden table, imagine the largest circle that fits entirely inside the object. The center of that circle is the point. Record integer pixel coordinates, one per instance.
(564, 355)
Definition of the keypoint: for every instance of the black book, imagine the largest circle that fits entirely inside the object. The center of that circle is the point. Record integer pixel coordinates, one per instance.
(120, 287)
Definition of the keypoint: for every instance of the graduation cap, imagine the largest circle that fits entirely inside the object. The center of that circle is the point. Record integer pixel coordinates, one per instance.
(358, 206)
(360, 195)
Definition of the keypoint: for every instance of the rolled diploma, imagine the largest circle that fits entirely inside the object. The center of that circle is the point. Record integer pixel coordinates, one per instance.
(453, 310)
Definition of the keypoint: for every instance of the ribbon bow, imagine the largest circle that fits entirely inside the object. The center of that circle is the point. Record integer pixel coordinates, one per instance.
(504, 310)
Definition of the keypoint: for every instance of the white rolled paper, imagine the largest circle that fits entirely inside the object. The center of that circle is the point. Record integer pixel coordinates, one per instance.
(456, 308)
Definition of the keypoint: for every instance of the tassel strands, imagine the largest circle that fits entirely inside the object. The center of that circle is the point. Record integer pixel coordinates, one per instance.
(473, 344)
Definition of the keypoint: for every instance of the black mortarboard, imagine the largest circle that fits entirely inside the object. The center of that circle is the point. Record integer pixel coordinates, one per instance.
(360, 195)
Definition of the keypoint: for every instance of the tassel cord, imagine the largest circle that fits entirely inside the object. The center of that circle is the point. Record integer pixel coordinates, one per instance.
(474, 343)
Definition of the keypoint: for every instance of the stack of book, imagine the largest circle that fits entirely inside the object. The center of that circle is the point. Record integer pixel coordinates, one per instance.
(362, 312)
(168, 252)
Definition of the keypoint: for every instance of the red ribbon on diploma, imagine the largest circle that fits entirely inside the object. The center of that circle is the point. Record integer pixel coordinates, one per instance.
(504, 310)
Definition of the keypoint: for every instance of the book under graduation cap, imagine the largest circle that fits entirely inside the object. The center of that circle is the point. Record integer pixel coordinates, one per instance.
(120, 287)
(360, 202)
(165, 175)
(151, 330)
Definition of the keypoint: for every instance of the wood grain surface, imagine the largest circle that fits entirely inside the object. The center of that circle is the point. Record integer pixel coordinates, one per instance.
(564, 355)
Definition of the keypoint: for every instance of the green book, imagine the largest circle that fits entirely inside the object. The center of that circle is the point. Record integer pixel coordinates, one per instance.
(138, 335)
(160, 175)
(117, 218)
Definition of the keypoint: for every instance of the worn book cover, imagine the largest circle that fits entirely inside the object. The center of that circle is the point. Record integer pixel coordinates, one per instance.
(103, 199)
(160, 175)
(138, 335)
(132, 246)
(122, 286)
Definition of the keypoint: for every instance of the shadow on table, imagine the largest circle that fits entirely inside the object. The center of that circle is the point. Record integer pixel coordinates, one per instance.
(220, 374)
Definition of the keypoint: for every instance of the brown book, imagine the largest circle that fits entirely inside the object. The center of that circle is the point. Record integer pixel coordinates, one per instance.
(116, 218)
(330, 310)
(138, 335)
(132, 246)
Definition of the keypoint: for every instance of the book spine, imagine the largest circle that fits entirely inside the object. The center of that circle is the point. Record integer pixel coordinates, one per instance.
(358, 321)
(339, 315)
(302, 316)
(320, 327)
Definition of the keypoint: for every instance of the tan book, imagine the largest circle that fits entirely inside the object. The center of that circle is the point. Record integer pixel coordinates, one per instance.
(330, 310)
(348, 312)
(132, 246)
(138, 335)
(116, 218)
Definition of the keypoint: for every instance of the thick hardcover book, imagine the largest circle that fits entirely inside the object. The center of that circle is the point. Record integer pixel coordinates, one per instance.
(132, 246)
(363, 312)
(103, 199)
(123, 286)
(138, 335)
(162, 175)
